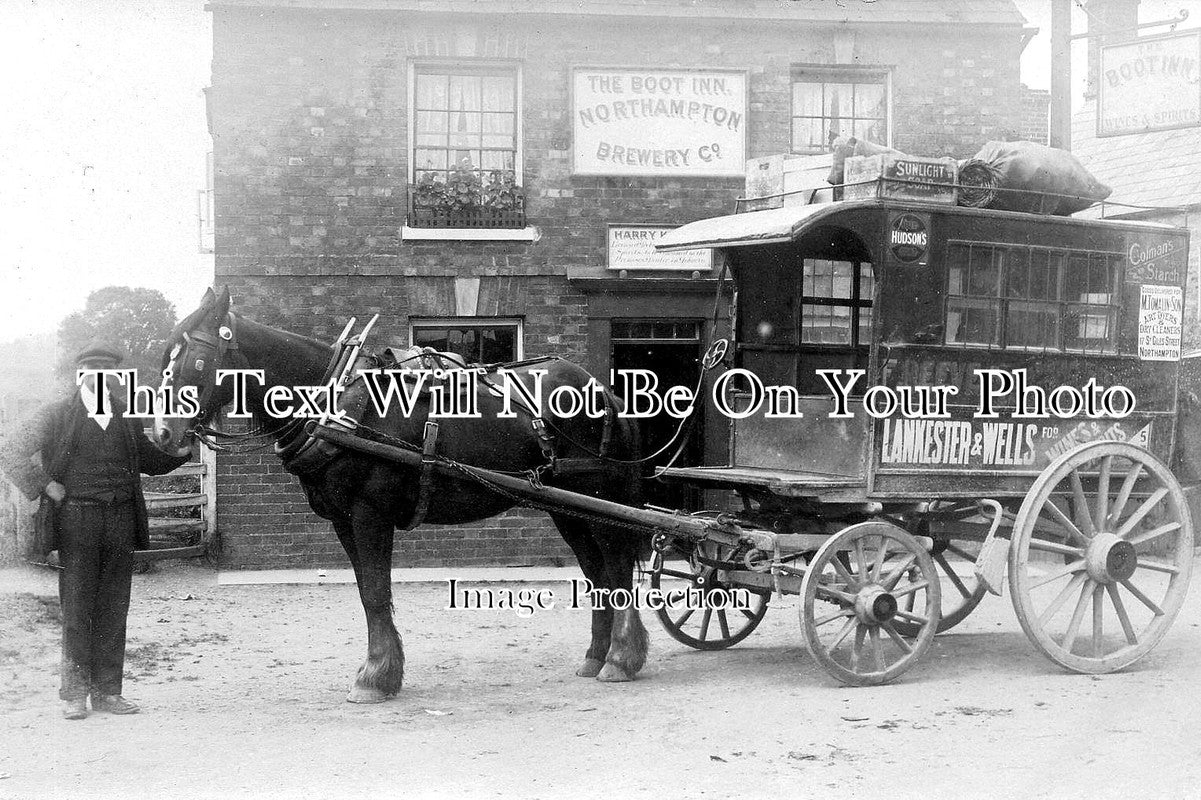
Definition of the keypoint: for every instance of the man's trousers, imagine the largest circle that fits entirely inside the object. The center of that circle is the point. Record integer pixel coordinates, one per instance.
(96, 545)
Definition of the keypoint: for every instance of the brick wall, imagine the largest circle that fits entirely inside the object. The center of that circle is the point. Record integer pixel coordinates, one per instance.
(309, 123)
(1034, 122)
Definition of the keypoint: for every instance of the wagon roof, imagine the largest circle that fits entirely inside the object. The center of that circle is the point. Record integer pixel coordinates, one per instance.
(778, 225)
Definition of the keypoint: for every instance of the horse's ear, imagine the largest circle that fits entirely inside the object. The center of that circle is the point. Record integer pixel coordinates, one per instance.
(208, 299)
(222, 306)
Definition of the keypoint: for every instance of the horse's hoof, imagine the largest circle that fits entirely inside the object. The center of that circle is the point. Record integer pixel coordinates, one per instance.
(611, 673)
(591, 668)
(365, 696)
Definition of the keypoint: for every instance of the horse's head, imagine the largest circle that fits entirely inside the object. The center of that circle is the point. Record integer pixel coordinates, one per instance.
(195, 351)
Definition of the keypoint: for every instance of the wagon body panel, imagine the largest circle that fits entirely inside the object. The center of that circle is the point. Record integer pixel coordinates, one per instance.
(905, 262)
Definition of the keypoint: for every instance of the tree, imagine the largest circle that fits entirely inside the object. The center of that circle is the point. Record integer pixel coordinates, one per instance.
(136, 320)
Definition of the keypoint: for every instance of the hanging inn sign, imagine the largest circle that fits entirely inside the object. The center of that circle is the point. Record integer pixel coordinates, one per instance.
(1150, 84)
(651, 122)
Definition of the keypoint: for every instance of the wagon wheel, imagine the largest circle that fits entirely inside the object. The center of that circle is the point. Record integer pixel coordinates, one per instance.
(1104, 527)
(961, 591)
(853, 595)
(709, 628)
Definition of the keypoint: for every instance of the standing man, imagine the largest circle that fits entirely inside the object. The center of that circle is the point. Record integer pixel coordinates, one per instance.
(88, 466)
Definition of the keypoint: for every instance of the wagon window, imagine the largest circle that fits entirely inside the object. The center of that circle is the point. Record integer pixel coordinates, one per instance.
(1031, 297)
(835, 301)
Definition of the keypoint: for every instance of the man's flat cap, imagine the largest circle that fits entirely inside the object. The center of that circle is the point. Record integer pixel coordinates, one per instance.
(99, 351)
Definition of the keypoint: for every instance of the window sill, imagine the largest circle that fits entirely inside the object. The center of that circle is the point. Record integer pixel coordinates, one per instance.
(527, 234)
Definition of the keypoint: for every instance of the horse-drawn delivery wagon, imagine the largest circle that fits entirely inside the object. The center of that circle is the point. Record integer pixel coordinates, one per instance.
(918, 394)
(956, 382)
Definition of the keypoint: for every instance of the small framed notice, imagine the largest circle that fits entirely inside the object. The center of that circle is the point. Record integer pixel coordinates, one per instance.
(633, 247)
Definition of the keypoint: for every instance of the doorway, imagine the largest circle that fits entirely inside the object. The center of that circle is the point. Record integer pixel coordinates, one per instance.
(671, 349)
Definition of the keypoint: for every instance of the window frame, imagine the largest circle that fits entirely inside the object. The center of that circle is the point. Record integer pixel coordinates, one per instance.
(837, 73)
(467, 66)
(415, 66)
(1068, 311)
(517, 323)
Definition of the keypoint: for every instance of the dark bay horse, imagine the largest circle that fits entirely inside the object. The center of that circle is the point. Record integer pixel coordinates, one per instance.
(367, 498)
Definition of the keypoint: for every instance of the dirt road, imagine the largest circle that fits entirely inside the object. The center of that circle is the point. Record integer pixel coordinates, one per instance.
(244, 686)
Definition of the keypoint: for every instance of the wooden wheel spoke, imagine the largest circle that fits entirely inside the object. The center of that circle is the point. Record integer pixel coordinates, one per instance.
(951, 576)
(1129, 502)
(746, 612)
(877, 650)
(1119, 504)
(891, 579)
(860, 560)
(897, 638)
(1158, 566)
(1066, 569)
(724, 623)
(842, 634)
(844, 573)
(835, 596)
(1055, 547)
(857, 647)
(679, 623)
(1080, 507)
(1102, 510)
(1155, 533)
(1147, 601)
(910, 589)
(1050, 611)
(881, 554)
(1069, 638)
(915, 618)
(842, 612)
(1062, 522)
(705, 623)
(1116, 598)
(1137, 517)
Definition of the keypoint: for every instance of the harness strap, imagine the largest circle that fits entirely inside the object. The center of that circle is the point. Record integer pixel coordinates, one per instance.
(429, 456)
(545, 442)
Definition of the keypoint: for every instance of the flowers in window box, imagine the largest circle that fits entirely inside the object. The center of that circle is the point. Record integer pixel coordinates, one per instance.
(501, 192)
(429, 192)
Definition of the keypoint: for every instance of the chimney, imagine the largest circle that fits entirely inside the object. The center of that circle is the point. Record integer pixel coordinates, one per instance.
(1116, 21)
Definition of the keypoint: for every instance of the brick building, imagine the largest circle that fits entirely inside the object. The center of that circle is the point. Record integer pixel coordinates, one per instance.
(344, 131)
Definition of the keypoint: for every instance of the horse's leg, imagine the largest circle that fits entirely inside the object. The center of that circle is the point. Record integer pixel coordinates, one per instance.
(627, 648)
(382, 673)
(592, 564)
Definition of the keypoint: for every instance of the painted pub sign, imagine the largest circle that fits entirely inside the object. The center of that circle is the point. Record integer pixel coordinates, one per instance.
(1150, 84)
(649, 122)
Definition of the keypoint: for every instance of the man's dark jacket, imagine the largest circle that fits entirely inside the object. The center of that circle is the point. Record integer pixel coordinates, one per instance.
(40, 449)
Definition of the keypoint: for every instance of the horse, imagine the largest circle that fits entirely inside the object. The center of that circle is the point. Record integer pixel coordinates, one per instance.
(367, 497)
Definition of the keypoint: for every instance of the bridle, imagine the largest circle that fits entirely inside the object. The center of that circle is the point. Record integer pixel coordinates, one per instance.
(208, 355)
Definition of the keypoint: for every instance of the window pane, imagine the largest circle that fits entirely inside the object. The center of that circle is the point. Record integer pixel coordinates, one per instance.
(430, 159)
(972, 321)
(476, 343)
(499, 93)
(825, 324)
(869, 100)
(839, 100)
(465, 93)
(1033, 325)
(1090, 327)
(431, 91)
(807, 135)
(807, 100)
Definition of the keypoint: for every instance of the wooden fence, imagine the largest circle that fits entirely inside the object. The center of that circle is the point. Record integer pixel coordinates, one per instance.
(183, 523)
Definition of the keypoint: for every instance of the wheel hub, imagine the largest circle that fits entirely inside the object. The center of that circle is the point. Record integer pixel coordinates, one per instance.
(875, 606)
(1110, 559)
